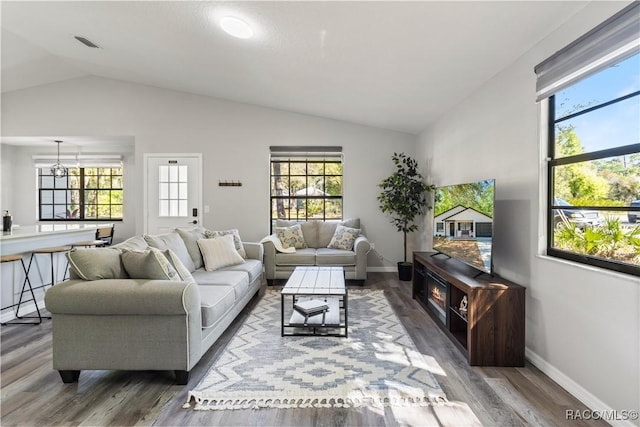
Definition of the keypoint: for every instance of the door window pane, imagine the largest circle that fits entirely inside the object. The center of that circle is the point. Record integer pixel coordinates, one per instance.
(173, 190)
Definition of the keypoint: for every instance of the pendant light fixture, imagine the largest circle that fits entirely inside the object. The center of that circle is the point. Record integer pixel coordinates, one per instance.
(59, 170)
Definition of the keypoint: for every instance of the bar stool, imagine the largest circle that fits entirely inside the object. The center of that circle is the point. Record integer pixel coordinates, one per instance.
(15, 258)
(104, 236)
(50, 251)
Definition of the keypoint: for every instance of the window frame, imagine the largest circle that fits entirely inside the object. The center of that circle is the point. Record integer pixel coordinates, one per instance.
(305, 156)
(81, 189)
(552, 162)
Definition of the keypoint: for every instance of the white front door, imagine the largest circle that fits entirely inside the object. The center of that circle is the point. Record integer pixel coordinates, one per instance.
(173, 191)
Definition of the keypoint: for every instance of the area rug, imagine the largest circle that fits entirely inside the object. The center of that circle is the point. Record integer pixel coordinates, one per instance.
(377, 365)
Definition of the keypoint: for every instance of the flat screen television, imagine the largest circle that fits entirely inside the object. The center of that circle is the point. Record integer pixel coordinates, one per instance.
(463, 223)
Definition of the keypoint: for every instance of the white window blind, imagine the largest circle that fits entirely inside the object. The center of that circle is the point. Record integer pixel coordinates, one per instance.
(305, 152)
(612, 41)
(79, 160)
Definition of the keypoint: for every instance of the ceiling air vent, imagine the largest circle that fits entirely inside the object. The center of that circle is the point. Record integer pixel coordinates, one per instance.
(86, 42)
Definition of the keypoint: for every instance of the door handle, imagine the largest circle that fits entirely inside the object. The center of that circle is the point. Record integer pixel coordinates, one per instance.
(195, 221)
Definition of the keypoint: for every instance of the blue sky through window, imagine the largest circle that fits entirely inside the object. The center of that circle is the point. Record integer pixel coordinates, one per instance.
(612, 126)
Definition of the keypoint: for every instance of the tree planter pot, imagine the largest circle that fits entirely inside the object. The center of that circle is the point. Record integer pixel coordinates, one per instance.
(405, 271)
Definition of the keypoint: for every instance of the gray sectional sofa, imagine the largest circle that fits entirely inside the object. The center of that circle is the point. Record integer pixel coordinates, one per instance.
(116, 322)
(316, 251)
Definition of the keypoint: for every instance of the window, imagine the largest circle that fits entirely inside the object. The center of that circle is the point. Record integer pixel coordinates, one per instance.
(306, 183)
(86, 194)
(173, 190)
(593, 168)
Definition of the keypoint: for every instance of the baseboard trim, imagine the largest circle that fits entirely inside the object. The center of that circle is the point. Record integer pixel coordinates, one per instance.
(382, 269)
(25, 309)
(575, 389)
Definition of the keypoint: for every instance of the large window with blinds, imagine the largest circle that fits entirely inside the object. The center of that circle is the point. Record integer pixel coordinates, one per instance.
(306, 183)
(591, 91)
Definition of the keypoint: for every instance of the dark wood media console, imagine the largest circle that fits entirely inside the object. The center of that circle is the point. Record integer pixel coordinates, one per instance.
(491, 333)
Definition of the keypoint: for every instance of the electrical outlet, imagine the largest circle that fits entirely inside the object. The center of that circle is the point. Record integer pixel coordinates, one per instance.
(373, 246)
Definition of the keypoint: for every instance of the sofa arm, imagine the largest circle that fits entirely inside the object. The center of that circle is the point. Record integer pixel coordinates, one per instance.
(123, 297)
(269, 259)
(361, 247)
(125, 324)
(254, 250)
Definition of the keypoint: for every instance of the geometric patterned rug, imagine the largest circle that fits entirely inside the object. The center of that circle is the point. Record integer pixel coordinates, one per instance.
(378, 365)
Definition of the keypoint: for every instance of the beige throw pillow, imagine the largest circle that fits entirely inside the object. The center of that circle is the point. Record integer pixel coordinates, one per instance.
(190, 237)
(237, 241)
(148, 264)
(183, 272)
(344, 238)
(96, 264)
(174, 242)
(219, 252)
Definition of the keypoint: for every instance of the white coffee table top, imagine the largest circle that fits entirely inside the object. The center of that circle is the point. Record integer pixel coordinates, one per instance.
(316, 281)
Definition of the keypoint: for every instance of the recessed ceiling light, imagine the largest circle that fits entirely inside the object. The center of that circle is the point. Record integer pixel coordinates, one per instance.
(236, 27)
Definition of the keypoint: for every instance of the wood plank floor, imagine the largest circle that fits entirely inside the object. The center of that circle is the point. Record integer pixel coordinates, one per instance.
(34, 395)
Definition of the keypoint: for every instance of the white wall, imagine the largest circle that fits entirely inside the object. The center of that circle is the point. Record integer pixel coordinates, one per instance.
(582, 324)
(7, 154)
(234, 139)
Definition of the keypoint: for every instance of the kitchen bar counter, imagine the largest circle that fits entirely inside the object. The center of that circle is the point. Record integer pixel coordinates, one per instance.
(23, 240)
(29, 237)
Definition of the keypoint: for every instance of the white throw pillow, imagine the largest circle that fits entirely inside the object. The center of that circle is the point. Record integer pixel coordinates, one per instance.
(219, 252)
(344, 238)
(237, 241)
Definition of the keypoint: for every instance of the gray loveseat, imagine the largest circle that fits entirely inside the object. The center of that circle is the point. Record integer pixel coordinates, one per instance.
(317, 237)
(141, 324)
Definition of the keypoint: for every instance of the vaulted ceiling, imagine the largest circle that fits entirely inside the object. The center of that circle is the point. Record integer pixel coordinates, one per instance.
(393, 65)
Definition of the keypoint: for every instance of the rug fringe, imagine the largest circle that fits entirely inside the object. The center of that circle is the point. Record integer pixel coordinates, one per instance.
(212, 404)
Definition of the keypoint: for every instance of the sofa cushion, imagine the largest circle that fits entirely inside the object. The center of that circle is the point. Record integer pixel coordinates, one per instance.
(219, 252)
(237, 241)
(344, 238)
(215, 302)
(96, 264)
(135, 243)
(309, 230)
(191, 237)
(183, 272)
(174, 242)
(148, 264)
(291, 236)
(252, 267)
(300, 257)
(238, 280)
(340, 257)
(326, 230)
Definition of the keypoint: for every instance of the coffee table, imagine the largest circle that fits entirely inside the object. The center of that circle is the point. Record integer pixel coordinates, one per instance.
(324, 283)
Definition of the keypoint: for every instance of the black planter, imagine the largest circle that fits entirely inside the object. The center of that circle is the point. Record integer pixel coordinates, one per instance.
(405, 271)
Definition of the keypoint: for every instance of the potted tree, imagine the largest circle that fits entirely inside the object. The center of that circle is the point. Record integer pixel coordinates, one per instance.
(403, 197)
